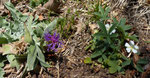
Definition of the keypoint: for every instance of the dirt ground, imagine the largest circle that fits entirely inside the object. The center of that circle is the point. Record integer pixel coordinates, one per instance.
(70, 63)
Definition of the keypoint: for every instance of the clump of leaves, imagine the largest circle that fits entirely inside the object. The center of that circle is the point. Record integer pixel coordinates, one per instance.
(35, 3)
(109, 42)
(64, 26)
(33, 34)
(96, 11)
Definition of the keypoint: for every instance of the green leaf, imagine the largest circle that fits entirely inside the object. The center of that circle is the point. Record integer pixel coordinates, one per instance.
(29, 24)
(125, 58)
(122, 22)
(107, 10)
(113, 69)
(127, 62)
(3, 40)
(115, 21)
(100, 60)
(41, 58)
(147, 41)
(7, 49)
(2, 60)
(96, 54)
(42, 62)
(102, 26)
(40, 54)
(112, 28)
(142, 61)
(13, 62)
(2, 73)
(101, 10)
(15, 13)
(104, 57)
(21, 57)
(39, 31)
(32, 54)
(112, 63)
(114, 35)
(119, 68)
(27, 36)
(127, 27)
(14, 29)
(3, 22)
(133, 37)
(51, 26)
(87, 47)
(97, 14)
(104, 13)
(99, 34)
(88, 60)
(139, 68)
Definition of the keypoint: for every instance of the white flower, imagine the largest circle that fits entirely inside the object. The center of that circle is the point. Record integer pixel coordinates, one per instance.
(108, 28)
(131, 47)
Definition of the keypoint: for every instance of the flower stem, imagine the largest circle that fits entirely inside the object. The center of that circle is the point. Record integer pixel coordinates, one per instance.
(129, 54)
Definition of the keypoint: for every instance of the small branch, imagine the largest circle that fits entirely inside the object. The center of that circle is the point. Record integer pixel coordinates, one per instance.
(57, 66)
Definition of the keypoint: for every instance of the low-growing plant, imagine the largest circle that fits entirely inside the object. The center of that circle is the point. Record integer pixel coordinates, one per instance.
(64, 25)
(110, 42)
(35, 3)
(96, 11)
(33, 34)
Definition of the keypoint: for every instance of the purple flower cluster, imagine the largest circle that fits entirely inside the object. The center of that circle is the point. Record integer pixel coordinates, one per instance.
(53, 41)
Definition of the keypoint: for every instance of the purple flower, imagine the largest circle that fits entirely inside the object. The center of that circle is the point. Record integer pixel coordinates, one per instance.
(53, 41)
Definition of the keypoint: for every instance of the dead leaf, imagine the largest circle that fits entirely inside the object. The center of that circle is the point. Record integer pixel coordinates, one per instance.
(79, 26)
(94, 28)
(8, 69)
(1, 7)
(72, 60)
(2, 4)
(39, 10)
(63, 48)
(41, 17)
(135, 58)
(148, 47)
(97, 68)
(17, 47)
(8, 48)
(129, 74)
(147, 72)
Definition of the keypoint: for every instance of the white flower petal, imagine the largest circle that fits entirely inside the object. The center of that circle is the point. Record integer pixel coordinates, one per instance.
(128, 50)
(134, 50)
(107, 27)
(136, 47)
(110, 33)
(132, 42)
(127, 45)
(114, 31)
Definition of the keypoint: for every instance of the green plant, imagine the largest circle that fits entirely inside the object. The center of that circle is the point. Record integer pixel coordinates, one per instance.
(64, 25)
(33, 33)
(62, 22)
(108, 43)
(35, 3)
(98, 11)
(2, 60)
